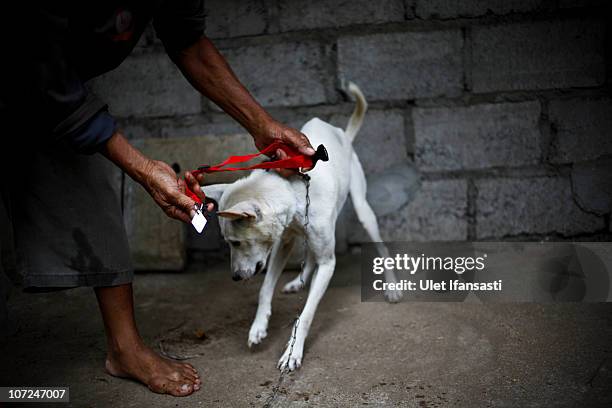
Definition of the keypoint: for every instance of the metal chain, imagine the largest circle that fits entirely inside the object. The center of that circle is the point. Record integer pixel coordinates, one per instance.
(272, 398)
(306, 178)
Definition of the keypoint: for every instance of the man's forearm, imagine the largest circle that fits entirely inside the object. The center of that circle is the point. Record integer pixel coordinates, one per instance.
(209, 73)
(118, 150)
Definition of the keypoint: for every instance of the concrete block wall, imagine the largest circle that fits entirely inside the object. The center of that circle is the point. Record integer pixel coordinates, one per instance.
(503, 107)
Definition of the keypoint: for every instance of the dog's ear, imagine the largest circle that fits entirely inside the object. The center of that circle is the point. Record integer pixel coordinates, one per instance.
(242, 210)
(214, 191)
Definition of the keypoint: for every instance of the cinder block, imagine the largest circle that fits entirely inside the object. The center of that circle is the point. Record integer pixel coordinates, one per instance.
(392, 189)
(583, 129)
(233, 18)
(299, 15)
(387, 193)
(592, 186)
(542, 205)
(197, 125)
(580, 3)
(283, 74)
(223, 124)
(156, 241)
(147, 85)
(477, 137)
(403, 65)
(381, 142)
(473, 8)
(297, 118)
(543, 55)
(142, 128)
(437, 213)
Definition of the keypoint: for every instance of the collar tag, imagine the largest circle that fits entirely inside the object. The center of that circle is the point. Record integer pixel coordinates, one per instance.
(199, 221)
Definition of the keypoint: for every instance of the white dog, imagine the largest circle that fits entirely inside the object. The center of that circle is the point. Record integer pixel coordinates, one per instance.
(263, 218)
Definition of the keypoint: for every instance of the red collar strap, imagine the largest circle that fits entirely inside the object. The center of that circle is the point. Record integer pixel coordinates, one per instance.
(294, 161)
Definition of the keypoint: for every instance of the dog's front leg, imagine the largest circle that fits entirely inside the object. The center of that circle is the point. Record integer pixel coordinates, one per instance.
(292, 357)
(278, 259)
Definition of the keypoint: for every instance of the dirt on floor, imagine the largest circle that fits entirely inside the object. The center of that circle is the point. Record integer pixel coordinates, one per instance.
(376, 354)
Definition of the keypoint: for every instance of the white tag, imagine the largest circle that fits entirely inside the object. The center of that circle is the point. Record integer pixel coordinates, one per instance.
(198, 221)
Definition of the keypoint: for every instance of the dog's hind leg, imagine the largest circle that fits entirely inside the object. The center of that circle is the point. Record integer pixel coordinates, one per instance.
(278, 260)
(301, 280)
(358, 189)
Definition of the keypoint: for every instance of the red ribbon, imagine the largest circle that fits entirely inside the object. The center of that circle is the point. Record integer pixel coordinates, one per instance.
(294, 161)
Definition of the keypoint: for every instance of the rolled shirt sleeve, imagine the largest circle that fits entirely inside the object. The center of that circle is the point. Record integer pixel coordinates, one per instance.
(88, 127)
(93, 134)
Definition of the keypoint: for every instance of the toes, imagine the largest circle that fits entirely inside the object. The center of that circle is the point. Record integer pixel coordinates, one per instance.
(290, 365)
(295, 363)
(186, 373)
(181, 390)
(194, 378)
(257, 333)
(256, 338)
(189, 375)
(292, 287)
(176, 388)
(177, 383)
(393, 296)
(191, 370)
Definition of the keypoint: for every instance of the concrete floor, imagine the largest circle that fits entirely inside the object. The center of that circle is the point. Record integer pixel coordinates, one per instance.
(407, 355)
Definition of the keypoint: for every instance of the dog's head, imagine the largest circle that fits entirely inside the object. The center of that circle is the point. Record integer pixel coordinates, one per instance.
(249, 226)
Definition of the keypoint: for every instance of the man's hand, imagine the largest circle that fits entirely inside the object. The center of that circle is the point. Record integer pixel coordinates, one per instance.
(277, 132)
(162, 184)
(160, 181)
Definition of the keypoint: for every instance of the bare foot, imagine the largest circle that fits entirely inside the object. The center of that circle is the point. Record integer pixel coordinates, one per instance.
(161, 375)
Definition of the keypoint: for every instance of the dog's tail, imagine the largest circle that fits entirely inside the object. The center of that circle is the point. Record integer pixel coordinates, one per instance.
(356, 120)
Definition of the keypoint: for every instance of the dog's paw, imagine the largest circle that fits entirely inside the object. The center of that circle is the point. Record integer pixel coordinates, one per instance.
(257, 333)
(393, 296)
(294, 286)
(290, 362)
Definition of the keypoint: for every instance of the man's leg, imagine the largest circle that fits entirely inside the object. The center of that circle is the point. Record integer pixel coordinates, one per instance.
(128, 356)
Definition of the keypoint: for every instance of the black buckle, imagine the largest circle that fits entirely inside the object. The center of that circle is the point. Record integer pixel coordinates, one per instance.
(320, 154)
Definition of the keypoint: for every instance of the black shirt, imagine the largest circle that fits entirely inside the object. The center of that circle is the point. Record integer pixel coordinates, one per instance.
(54, 47)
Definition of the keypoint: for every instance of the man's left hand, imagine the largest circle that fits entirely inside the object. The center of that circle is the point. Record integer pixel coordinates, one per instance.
(277, 132)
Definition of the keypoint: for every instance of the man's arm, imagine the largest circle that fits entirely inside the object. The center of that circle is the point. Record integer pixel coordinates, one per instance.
(206, 69)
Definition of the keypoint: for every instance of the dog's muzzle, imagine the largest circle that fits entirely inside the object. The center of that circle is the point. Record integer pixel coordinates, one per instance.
(239, 275)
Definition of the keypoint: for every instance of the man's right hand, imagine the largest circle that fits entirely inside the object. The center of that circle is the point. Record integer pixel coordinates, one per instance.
(160, 181)
(168, 191)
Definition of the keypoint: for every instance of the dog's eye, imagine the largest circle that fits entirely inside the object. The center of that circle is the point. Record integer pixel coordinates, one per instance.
(235, 243)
